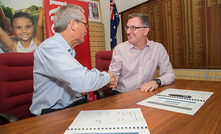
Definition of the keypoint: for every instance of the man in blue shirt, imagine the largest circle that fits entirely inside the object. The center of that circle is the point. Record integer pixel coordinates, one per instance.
(59, 79)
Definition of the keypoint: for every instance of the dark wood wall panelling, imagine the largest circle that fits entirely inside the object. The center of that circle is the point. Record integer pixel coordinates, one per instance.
(190, 30)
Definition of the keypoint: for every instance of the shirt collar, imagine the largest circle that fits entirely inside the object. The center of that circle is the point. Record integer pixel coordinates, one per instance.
(131, 46)
(64, 44)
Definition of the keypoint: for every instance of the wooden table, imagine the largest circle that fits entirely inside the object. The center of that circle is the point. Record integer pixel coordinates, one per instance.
(205, 120)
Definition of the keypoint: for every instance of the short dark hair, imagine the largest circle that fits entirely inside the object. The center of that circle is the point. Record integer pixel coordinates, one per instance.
(22, 14)
(145, 20)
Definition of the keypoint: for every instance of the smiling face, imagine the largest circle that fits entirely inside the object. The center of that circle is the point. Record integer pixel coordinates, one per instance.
(139, 35)
(23, 28)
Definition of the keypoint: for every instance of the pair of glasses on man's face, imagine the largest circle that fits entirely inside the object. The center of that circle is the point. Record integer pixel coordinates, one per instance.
(133, 28)
(85, 24)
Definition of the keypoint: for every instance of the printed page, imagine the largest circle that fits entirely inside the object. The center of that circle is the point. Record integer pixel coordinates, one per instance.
(109, 121)
(186, 105)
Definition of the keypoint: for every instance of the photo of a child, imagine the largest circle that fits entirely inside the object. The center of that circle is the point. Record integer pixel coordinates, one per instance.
(21, 32)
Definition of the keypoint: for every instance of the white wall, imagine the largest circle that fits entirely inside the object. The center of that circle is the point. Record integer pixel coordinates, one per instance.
(122, 5)
(105, 11)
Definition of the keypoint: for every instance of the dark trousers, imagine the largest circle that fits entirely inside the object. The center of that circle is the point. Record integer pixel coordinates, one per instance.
(45, 111)
(114, 92)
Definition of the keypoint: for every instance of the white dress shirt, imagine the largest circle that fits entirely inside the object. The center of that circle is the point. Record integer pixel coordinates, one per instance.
(134, 67)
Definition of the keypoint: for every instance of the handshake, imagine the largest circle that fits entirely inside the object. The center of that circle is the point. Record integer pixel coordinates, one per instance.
(113, 81)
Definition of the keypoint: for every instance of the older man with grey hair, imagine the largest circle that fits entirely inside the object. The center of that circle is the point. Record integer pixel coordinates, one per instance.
(59, 79)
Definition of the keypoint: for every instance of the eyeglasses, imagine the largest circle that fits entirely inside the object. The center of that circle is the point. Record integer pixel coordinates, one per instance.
(85, 24)
(133, 28)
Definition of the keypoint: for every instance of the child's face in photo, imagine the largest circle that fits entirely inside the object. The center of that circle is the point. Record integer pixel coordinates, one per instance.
(23, 28)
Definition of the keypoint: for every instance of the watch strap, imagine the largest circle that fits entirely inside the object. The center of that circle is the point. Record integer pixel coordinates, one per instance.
(158, 81)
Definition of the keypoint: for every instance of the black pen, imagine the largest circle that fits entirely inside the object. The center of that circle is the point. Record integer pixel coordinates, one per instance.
(179, 95)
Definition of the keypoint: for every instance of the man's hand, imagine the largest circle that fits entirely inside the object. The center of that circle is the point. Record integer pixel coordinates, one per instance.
(149, 86)
(113, 81)
(86, 94)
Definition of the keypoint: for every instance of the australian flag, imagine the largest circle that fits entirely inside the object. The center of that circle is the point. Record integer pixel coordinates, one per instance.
(114, 22)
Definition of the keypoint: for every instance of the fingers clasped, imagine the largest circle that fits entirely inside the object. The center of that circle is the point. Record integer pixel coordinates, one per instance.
(113, 81)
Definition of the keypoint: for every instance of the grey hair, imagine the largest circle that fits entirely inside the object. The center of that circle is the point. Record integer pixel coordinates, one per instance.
(65, 14)
(145, 20)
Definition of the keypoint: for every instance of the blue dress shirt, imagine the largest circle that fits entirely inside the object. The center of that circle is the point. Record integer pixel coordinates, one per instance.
(59, 77)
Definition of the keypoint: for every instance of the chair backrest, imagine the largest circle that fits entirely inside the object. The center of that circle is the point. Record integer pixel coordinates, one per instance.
(103, 59)
(16, 84)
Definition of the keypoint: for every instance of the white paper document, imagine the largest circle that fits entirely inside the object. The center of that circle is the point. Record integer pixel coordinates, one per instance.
(119, 121)
(178, 100)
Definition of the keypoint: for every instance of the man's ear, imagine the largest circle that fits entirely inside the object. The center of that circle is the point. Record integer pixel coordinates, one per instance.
(73, 24)
(146, 31)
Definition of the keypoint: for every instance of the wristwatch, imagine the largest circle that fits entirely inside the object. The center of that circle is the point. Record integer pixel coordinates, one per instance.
(158, 81)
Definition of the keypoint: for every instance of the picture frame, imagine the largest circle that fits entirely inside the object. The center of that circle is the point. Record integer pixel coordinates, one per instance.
(94, 11)
(9, 8)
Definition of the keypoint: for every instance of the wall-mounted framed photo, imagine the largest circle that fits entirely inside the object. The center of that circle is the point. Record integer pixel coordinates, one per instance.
(8, 8)
(94, 11)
